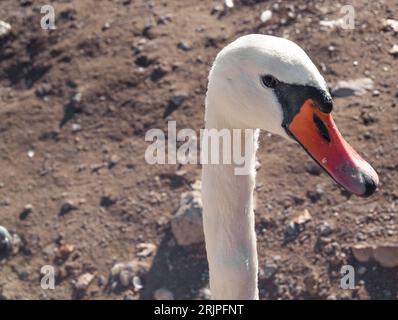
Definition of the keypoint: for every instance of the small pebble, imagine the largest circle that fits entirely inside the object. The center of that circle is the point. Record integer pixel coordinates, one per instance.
(84, 281)
(229, 3)
(5, 29)
(265, 16)
(23, 275)
(106, 26)
(146, 249)
(163, 294)
(114, 160)
(205, 293)
(25, 3)
(101, 281)
(361, 270)
(325, 229)
(26, 211)
(137, 283)
(185, 46)
(125, 277)
(394, 50)
(67, 207)
(77, 97)
(217, 10)
(268, 271)
(76, 127)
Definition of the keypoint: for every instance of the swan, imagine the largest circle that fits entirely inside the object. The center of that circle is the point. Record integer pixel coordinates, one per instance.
(262, 82)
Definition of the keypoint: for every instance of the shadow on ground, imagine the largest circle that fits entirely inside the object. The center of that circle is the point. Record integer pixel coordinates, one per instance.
(380, 283)
(182, 270)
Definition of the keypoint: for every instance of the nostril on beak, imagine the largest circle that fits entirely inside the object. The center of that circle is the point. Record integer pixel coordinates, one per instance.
(323, 131)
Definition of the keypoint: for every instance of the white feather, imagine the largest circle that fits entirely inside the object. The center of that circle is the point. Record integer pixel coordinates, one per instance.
(236, 99)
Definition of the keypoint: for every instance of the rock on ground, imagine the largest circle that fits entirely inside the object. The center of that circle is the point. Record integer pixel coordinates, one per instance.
(146, 249)
(355, 87)
(123, 275)
(84, 281)
(386, 255)
(394, 50)
(163, 294)
(265, 16)
(5, 29)
(187, 225)
(390, 24)
(301, 217)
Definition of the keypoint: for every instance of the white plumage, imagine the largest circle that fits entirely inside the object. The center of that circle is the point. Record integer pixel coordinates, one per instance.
(236, 99)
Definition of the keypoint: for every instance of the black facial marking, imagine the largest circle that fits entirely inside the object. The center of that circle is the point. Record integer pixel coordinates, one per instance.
(322, 128)
(292, 97)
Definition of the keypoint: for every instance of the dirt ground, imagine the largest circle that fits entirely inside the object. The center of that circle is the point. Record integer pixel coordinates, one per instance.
(76, 102)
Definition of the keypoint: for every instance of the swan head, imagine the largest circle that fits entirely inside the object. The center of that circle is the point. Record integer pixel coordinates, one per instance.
(266, 82)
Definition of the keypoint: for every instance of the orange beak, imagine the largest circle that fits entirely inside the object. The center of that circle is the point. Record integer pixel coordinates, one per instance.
(319, 136)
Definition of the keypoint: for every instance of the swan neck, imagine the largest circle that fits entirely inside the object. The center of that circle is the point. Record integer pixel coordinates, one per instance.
(228, 220)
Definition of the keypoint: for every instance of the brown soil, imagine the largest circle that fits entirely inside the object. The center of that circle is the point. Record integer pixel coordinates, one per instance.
(127, 75)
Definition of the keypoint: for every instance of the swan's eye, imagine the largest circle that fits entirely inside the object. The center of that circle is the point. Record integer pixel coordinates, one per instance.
(269, 81)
